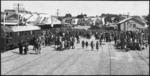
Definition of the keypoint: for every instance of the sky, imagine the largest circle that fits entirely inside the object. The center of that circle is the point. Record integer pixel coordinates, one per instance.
(91, 8)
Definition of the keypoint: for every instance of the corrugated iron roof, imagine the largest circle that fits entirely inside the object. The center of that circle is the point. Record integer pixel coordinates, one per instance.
(127, 19)
(122, 21)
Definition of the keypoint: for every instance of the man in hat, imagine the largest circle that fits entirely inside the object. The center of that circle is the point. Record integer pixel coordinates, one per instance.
(92, 45)
(83, 44)
(20, 47)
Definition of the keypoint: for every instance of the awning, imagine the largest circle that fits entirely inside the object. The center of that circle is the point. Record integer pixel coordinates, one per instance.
(25, 28)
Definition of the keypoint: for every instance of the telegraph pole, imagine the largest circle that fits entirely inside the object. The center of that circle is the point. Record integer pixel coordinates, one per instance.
(18, 8)
(18, 14)
(57, 12)
(4, 18)
(128, 21)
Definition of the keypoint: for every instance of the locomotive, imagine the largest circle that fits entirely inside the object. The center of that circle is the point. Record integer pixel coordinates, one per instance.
(11, 35)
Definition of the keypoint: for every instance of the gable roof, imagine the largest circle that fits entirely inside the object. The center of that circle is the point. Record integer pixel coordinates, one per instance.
(131, 18)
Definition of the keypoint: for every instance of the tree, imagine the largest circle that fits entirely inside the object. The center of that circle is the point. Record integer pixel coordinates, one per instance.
(68, 15)
(85, 15)
(82, 15)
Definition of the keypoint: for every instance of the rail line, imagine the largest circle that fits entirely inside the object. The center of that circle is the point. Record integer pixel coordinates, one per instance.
(75, 60)
(110, 56)
(3, 61)
(142, 57)
(66, 61)
(29, 62)
(137, 64)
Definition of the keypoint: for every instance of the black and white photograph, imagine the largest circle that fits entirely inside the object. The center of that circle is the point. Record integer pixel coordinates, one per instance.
(74, 37)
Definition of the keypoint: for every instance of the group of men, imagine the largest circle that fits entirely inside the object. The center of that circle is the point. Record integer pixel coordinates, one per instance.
(64, 38)
(23, 47)
(86, 44)
(132, 40)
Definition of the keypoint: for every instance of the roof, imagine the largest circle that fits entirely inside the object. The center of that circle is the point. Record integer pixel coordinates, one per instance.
(33, 18)
(55, 20)
(10, 10)
(10, 22)
(122, 21)
(127, 19)
(24, 28)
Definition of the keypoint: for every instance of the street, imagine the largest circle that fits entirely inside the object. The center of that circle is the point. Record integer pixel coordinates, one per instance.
(105, 61)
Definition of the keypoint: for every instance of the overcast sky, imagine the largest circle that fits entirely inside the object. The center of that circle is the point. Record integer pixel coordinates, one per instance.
(91, 8)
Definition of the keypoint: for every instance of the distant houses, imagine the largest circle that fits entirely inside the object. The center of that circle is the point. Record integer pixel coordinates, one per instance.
(29, 18)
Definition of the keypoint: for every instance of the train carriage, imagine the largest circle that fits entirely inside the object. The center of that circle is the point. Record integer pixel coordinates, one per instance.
(11, 35)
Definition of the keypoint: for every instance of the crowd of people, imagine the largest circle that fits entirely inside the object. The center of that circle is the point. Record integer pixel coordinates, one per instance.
(65, 38)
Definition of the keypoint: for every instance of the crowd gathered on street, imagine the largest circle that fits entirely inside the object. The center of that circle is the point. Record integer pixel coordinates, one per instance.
(66, 38)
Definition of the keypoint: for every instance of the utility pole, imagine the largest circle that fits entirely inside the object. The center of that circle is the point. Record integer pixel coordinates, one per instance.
(57, 12)
(18, 14)
(4, 19)
(128, 15)
(128, 21)
(18, 8)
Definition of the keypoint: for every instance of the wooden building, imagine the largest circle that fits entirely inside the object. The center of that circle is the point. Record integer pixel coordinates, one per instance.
(131, 24)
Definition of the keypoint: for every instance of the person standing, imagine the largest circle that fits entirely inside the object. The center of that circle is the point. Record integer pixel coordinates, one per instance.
(97, 45)
(78, 41)
(83, 44)
(92, 45)
(72, 44)
(68, 45)
(73, 40)
(100, 40)
(86, 44)
(36, 46)
(20, 47)
(115, 39)
(39, 47)
(65, 44)
(26, 48)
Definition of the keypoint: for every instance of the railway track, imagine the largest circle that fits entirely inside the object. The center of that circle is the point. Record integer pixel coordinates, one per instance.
(137, 64)
(110, 56)
(13, 56)
(142, 57)
(65, 61)
(27, 63)
(34, 60)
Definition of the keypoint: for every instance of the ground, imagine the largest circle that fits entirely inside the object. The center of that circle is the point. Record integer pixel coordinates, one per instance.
(105, 61)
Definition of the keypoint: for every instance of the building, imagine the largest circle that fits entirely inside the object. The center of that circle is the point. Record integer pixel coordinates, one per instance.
(10, 19)
(10, 11)
(131, 24)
